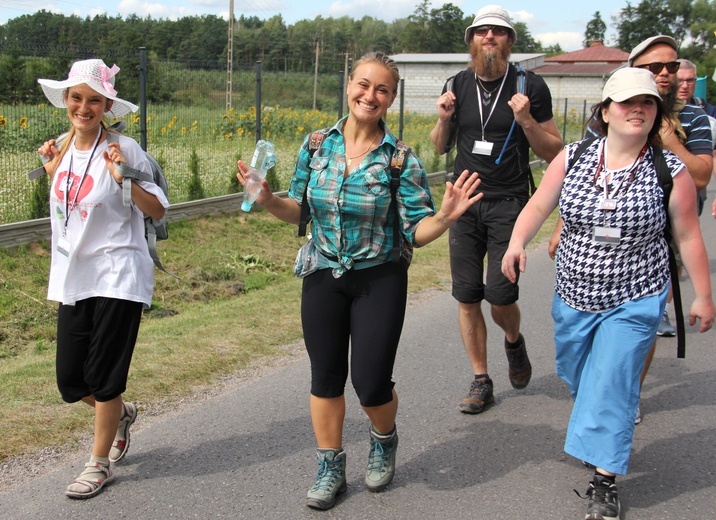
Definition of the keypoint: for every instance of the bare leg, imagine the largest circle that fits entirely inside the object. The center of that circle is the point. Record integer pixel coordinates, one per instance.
(106, 420)
(474, 335)
(327, 415)
(383, 417)
(508, 317)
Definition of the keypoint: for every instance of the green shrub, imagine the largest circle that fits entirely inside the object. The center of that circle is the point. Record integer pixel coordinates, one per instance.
(196, 190)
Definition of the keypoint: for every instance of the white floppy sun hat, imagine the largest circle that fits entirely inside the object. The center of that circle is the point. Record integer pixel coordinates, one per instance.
(97, 76)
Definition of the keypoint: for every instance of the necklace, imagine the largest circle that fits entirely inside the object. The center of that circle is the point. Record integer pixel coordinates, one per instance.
(350, 159)
(486, 94)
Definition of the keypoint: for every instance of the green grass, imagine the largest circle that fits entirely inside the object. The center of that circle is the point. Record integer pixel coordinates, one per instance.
(236, 305)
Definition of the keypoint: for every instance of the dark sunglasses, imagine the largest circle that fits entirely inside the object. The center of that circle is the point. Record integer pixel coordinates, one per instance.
(658, 66)
(497, 30)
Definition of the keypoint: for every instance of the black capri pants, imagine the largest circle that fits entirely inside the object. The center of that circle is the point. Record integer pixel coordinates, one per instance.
(366, 308)
(95, 343)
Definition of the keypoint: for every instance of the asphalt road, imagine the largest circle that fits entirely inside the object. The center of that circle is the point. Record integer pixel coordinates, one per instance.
(249, 451)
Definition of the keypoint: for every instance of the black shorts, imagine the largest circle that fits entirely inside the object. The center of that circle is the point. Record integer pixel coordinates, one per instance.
(365, 309)
(95, 342)
(483, 230)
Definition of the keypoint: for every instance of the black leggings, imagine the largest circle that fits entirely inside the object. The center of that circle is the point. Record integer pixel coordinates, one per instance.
(365, 307)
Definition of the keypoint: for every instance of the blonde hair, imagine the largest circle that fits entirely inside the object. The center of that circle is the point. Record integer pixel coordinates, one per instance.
(381, 59)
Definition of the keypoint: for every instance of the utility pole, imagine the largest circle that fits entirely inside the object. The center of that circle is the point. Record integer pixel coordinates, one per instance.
(230, 57)
(315, 78)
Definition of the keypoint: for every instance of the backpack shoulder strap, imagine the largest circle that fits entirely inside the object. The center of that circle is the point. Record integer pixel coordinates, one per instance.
(581, 148)
(520, 80)
(314, 143)
(666, 181)
(128, 173)
(397, 165)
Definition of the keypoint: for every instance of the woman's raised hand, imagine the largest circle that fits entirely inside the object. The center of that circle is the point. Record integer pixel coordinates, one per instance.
(460, 195)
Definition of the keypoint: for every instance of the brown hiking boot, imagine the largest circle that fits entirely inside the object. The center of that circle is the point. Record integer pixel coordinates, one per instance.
(479, 397)
(520, 370)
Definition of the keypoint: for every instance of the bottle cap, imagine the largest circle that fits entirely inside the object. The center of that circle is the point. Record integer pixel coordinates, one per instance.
(246, 206)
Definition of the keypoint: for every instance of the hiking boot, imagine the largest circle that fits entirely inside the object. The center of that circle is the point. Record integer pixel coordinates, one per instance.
(479, 397)
(121, 439)
(520, 370)
(666, 329)
(330, 479)
(381, 460)
(91, 481)
(603, 500)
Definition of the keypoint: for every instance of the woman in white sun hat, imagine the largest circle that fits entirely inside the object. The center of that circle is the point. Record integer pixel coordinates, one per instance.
(101, 272)
(612, 271)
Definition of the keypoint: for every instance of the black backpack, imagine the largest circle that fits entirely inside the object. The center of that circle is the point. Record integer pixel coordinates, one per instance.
(666, 182)
(397, 164)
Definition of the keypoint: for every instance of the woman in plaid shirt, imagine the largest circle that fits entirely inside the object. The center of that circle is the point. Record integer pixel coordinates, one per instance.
(353, 293)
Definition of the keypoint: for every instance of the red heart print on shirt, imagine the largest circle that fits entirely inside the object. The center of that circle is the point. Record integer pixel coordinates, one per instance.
(75, 198)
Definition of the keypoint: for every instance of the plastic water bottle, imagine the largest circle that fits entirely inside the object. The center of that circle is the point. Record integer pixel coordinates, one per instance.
(263, 160)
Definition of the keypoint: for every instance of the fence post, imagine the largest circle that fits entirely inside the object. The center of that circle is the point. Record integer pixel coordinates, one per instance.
(584, 117)
(258, 100)
(340, 94)
(564, 120)
(401, 124)
(143, 97)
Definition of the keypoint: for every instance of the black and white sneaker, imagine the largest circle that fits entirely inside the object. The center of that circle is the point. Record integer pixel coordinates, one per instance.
(603, 499)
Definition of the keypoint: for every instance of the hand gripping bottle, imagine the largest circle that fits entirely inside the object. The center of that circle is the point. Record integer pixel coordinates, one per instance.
(263, 160)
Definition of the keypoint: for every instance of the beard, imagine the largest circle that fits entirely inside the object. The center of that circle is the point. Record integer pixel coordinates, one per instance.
(669, 97)
(489, 64)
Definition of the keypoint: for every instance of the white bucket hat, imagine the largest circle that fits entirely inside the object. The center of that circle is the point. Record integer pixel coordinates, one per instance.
(629, 82)
(491, 15)
(97, 76)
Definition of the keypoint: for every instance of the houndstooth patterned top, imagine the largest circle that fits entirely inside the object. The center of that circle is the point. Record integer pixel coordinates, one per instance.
(594, 276)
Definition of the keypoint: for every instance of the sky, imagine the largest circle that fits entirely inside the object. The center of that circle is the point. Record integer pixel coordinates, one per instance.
(549, 21)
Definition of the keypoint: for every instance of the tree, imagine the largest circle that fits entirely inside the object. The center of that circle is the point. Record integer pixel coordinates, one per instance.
(416, 35)
(525, 41)
(596, 29)
(652, 17)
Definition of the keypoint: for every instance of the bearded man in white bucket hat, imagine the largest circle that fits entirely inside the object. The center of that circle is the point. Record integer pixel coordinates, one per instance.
(101, 272)
(497, 121)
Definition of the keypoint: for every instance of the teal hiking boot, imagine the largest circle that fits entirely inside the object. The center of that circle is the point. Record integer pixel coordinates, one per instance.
(381, 460)
(330, 479)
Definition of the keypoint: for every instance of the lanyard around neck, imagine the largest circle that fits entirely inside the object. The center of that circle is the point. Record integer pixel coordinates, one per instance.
(68, 184)
(483, 122)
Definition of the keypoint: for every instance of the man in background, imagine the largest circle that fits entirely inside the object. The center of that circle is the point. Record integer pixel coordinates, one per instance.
(499, 113)
(688, 136)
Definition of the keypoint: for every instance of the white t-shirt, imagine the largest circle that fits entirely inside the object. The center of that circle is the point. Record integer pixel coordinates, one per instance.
(107, 252)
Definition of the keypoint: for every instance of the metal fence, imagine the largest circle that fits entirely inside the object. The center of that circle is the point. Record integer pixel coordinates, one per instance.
(197, 128)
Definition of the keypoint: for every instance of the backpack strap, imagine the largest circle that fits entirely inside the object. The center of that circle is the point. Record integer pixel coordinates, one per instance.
(128, 173)
(314, 143)
(666, 181)
(581, 148)
(397, 165)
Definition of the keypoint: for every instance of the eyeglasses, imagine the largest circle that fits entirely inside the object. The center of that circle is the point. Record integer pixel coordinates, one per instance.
(658, 66)
(497, 30)
(688, 81)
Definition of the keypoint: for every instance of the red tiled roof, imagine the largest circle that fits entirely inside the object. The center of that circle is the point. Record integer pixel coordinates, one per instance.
(581, 69)
(596, 53)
